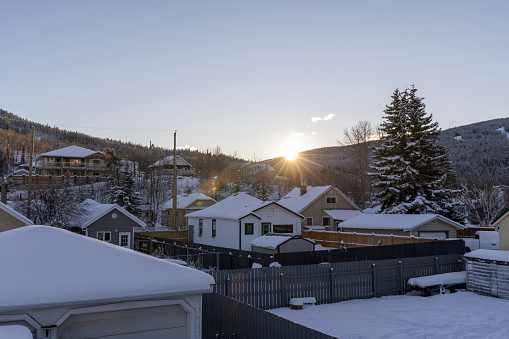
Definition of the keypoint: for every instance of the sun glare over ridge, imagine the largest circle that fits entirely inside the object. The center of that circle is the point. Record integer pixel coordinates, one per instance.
(290, 149)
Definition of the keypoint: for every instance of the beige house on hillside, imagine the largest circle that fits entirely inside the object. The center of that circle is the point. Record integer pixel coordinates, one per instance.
(186, 203)
(324, 206)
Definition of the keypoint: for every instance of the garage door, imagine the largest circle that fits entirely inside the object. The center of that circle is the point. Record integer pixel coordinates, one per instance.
(438, 235)
(153, 322)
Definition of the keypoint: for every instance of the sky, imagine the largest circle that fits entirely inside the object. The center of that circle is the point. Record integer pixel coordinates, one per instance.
(256, 78)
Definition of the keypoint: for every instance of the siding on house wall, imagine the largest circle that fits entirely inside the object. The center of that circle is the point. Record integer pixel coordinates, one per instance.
(296, 245)
(376, 231)
(108, 223)
(436, 226)
(503, 231)
(315, 210)
(8, 222)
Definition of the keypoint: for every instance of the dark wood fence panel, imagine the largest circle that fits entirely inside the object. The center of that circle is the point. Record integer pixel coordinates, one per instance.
(224, 317)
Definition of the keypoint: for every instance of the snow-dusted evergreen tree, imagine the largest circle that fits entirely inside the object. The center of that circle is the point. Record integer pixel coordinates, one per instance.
(121, 188)
(411, 168)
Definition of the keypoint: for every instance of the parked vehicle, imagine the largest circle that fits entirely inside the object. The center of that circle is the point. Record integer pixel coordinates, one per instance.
(487, 240)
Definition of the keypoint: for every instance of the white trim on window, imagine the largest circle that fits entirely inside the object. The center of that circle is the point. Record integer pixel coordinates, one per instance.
(124, 239)
(104, 236)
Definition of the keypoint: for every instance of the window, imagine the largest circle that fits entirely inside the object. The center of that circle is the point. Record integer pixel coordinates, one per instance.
(213, 227)
(124, 239)
(331, 200)
(309, 221)
(200, 227)
(104, 236)
(265, 227)
(283, 228)
(325, 221)
(249, 228)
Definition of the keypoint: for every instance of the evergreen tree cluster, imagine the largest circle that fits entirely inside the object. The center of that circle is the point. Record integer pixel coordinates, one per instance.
(410, 166)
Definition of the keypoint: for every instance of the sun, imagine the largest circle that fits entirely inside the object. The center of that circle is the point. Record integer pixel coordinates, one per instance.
(290, 150)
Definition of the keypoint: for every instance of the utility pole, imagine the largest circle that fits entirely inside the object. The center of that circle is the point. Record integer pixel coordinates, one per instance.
(30, 169)
(150, 197)
(174, 214)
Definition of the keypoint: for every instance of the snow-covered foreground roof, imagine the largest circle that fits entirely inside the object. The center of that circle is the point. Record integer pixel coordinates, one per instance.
(234, 207)
(457, 315)
(495, 255)
(15, 332)
(342, 214)
(45, 266)
(185, 200)
(405, 222)
(70, 152)
(296, 202)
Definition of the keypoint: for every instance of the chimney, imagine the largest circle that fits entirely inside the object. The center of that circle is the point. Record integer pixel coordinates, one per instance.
(303, 189)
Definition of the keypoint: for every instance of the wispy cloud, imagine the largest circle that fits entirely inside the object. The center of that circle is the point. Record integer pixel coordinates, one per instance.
(297, 134)
(314, 133)
(188, 147)
(325, 118)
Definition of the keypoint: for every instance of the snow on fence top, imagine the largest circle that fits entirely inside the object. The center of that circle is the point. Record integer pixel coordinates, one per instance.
(44, 266)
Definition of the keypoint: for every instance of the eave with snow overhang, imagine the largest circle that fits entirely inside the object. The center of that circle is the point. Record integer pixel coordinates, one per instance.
(81, 279)
(422, 225)
(10, 219)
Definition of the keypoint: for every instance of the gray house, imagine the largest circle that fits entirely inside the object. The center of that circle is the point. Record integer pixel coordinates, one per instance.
(107, 222)
(64, 285)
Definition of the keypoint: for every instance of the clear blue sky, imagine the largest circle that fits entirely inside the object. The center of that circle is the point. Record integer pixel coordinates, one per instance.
(258, 71)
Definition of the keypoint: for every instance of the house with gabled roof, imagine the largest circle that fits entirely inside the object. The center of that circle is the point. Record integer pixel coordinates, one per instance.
(64, 285)
(107, 222)
(501, 224)
(166, 165)
(419, 225)
(239, 219)
(10, 219)
(186, 203)
(324, 206)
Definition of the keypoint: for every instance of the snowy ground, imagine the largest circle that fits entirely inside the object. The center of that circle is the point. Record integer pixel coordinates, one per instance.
(457, 315)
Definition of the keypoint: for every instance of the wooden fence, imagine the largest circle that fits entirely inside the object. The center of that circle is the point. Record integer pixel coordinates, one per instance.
(224, 317)
(349, 240)
(273, 287)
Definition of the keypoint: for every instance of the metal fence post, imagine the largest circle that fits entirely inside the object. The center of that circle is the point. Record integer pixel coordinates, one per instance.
(401, 281)
(282, 282)
(332, 285)
(374, 281)
(436, 265)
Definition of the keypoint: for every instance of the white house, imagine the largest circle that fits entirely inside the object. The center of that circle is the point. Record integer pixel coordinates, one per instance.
(239, 219)
(64, 285)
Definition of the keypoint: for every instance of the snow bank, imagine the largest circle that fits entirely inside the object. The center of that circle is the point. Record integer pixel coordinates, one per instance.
(452, 278)
(46, 266)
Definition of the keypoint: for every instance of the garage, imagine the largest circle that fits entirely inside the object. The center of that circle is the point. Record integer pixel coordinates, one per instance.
(154, 322)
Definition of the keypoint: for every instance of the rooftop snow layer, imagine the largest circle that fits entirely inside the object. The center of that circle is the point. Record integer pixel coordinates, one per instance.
(405, 222)
(234, 207)
(342, 214)
(270, 241)
(296, 202)
(495, 255)
(44, 266)
(70, 152)
(185, 200)
(94, 210)
(169, 161)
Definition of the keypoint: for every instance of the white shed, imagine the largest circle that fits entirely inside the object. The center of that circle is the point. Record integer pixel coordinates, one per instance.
(63, 285)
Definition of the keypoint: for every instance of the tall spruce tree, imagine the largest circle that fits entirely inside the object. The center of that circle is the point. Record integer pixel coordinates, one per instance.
(411, 168)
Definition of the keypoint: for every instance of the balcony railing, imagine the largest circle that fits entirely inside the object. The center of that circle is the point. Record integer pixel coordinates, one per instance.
(68, 164)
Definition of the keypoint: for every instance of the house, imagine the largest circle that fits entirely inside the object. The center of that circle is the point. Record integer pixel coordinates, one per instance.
(186, 203)
(239, 219)
(419, 225)
(321, 205)
(83, 165)
(501, 224)
(166, 166)
(279, 243)
(107, 222)
(10, 219)
(64, 285)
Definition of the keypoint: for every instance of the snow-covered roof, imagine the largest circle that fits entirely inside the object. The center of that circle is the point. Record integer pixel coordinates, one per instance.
(15, 214)
(94, 210)
(234, 207)
(296, 202)
(70, 152)
(168, 161)
(56, 267)
(495, 255)
(272, 241)
(184, 201)
(342, 214)
(15, 332)
(404, 222)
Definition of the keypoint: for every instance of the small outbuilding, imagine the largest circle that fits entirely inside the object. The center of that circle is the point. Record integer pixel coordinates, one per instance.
(488, 273)
(59, 284)
(277, 243)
